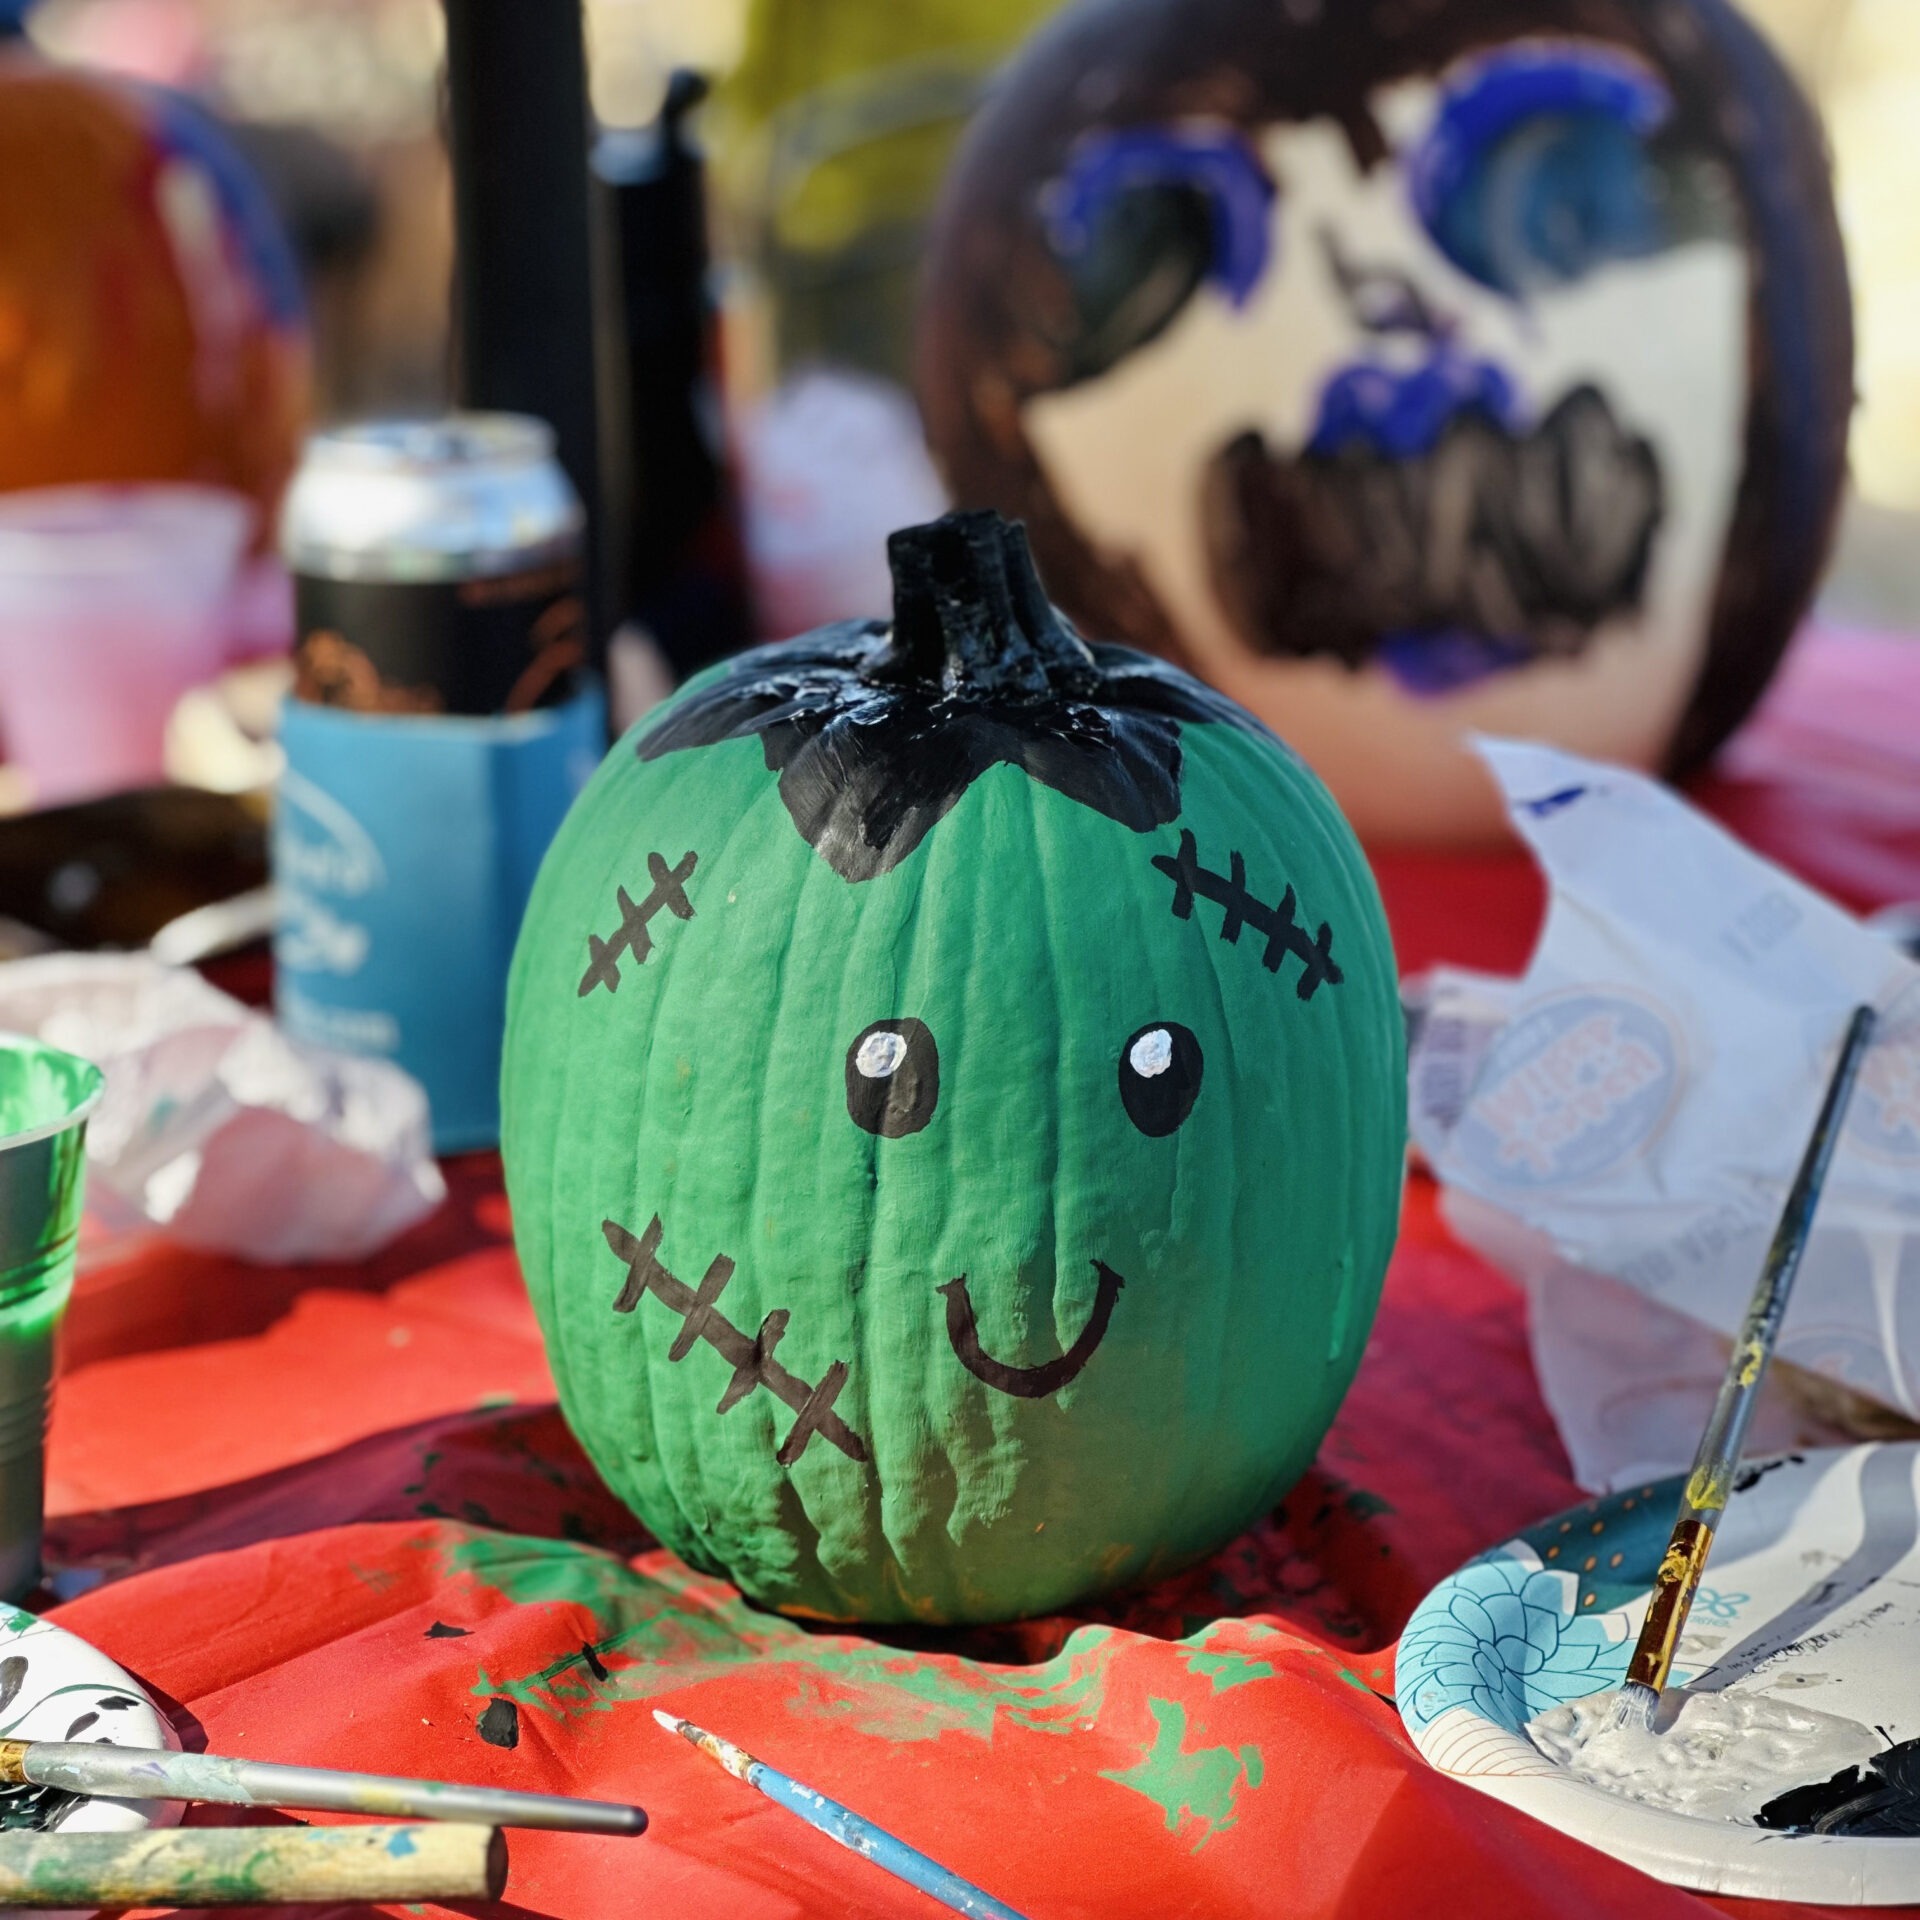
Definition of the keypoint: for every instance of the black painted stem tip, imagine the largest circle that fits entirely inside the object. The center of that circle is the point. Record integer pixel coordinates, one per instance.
(969, 610)
(876, 730)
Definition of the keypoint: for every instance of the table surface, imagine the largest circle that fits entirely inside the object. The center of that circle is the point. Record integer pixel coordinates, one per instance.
(336, 1518)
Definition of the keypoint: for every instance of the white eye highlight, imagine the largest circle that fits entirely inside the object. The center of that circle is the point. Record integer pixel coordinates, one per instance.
(1152, 1054)
(880, 1054)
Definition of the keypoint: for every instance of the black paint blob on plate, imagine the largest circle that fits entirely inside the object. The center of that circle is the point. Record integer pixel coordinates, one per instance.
(877, 729)
(1881, 1799)
(441, 1631)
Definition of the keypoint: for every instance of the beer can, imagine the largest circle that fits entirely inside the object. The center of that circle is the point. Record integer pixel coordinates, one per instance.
(437, 568)
(444, 718)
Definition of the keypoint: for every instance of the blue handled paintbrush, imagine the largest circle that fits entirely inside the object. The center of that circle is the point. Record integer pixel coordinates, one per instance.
(843, 1824)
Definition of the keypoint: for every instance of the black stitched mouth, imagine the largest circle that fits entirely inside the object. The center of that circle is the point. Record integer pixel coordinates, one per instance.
(1029, 1383)
(1492, 547)
(751, 1356)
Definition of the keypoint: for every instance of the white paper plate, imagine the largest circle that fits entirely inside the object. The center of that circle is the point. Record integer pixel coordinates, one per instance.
(1812, 1594)
(54, 1686)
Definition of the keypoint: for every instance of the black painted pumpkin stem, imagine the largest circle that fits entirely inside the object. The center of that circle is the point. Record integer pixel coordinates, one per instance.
(969, 611)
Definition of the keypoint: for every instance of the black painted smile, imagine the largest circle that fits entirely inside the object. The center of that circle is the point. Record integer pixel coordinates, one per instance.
(755, 1366)
(1030, 1383)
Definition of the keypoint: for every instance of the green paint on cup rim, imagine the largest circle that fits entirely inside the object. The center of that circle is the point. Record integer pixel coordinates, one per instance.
(43, 1091)
(46, 1096)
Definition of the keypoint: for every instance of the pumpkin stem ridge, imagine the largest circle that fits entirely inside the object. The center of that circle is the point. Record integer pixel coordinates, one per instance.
(970, 615)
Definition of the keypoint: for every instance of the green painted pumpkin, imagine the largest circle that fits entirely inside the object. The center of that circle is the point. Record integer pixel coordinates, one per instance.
(954, 1108)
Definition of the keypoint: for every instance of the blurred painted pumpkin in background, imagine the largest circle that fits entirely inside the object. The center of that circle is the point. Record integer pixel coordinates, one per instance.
(151, 320)
(1408, 370)
(954, 1108)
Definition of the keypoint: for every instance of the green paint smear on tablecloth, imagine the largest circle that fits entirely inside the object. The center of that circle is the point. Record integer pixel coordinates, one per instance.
(1203, 1785)
(1226, 1670)
(669, 1627)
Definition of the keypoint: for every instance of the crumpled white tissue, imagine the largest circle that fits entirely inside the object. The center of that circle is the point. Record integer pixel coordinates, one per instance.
(1618, 1127)
(217, 1128)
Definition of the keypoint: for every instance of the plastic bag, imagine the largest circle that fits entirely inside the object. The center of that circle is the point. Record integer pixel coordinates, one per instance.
(217, 1128)
(1618, 1127)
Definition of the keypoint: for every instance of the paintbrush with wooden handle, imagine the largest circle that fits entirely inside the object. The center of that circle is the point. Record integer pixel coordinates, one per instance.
(1711, 1480)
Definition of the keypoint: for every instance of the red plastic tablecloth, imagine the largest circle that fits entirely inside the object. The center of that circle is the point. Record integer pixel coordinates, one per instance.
(339, 1521)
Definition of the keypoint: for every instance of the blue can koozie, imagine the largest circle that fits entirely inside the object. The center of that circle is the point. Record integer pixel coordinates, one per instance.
(404, 850)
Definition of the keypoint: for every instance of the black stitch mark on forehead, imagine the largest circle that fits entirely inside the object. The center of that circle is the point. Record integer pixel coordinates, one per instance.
(669, 891)
(751, 1359)
(1229, 891)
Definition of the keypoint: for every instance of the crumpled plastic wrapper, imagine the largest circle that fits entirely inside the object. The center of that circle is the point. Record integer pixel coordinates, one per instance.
(1618, 1127)
(219, 1130)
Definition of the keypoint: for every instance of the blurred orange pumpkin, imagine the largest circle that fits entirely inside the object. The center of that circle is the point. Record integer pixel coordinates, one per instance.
(151, 319)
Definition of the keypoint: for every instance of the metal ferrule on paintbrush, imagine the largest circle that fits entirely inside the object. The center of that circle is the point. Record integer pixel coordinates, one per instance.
(1711, 1481)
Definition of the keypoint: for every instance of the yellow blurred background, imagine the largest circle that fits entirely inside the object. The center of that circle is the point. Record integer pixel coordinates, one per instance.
(364, 73)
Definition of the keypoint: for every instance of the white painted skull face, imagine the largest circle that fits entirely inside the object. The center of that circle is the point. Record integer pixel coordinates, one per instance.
(1436, 437)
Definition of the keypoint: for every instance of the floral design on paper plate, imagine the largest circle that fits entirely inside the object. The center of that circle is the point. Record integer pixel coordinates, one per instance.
(1505, 1638)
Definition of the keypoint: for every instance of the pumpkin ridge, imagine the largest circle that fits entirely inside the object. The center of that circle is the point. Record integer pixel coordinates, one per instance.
(671, 1470)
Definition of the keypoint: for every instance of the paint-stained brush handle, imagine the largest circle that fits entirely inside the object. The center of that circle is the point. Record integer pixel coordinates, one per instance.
(138, 1773)
(252, 1866)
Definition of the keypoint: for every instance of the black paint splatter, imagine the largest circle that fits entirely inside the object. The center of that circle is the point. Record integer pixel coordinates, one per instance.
(441, 1631)
(1751, 1476)
(26, 1809)
(1882, 1798)
(80, 1726)
(500, 1724)
(592, 1661)
(876, 731)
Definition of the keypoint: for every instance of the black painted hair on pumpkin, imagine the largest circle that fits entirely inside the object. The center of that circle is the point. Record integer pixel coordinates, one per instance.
(877, 729)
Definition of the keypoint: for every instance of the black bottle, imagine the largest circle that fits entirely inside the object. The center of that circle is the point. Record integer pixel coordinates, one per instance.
(680, 563)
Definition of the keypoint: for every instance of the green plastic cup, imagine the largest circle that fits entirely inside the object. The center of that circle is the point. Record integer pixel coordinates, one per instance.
(45, 1098)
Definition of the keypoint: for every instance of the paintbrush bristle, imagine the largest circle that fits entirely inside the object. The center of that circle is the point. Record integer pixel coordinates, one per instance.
(1635, 1707)
(671, 1721)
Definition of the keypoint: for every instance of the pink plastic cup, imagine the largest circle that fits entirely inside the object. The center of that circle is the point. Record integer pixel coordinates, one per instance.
(113, 603)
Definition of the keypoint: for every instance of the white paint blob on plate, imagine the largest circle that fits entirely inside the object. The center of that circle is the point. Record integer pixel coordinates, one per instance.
(1716, 1756)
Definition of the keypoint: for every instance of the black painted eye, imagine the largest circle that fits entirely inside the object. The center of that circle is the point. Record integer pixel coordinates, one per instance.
(1150, 249)
(1160, 1069)
(893, 1078)
(1139, 218)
